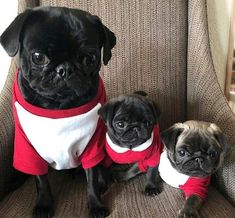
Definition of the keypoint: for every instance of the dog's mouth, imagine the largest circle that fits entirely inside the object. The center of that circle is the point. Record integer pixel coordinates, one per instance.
(54, 91)
(197, 173)
(133, 142)
(193, 168)
(65, 92)
(138, 133)
(54, 87)
(134, 139)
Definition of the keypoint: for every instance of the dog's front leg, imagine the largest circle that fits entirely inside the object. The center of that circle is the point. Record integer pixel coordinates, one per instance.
(44, 205)
(120, 175)
(191, 207)
(152, 186)
(96, 206)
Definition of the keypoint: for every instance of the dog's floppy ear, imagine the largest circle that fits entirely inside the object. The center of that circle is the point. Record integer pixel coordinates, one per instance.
(142, 93)
(11, 36)
(107, 111)
(170, 136)
(220, 137)
(109, 40)
(154, 107)
(109, 43)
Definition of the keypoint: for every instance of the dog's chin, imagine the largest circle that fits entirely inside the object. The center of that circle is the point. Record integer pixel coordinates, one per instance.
(132, 143)
(196, 171)
(58, 89)
(57, 93)
(133, 139)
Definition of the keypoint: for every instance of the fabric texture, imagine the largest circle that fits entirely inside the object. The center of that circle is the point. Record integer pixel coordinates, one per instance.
(162, 48)
(6, 131)
(61, 138)
(145, 155)
(123, 200)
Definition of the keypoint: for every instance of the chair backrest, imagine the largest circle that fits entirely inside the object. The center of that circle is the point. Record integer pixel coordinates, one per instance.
(151, 50)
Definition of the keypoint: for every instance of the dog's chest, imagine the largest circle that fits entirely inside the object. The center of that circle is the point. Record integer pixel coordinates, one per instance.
(60, 141)
(170, 175)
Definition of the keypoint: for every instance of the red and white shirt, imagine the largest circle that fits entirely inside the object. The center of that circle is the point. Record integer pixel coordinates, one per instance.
(62, 139)
(146, 154)
(189, 185)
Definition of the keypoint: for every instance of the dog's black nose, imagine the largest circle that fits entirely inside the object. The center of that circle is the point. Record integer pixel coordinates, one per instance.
(64, 70)
(199, 160)
(136, 129)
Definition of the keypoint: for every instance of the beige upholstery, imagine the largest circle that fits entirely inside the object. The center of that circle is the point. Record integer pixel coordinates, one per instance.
(162, 48)
(125, 200)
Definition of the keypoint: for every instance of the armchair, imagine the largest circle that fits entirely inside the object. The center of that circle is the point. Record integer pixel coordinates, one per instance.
(162, 48)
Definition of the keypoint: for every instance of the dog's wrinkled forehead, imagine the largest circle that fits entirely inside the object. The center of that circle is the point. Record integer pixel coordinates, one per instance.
(60, 26)
(197, 133)
(138, 104)
(74, 19)
(196, 138)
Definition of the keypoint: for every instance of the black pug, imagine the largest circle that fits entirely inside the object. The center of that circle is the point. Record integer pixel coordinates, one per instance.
(133, 138)
(194, 151)
(56, 96)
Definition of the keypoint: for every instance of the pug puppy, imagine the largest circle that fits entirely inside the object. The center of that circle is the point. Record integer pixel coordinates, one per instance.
(194, 150)
(57, 93)
(133, 138)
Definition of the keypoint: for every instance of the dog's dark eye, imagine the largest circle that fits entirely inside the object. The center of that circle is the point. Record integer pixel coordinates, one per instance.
(181, 153)
(89, 60)
(120, 125)
(212, 154)
(39, 58)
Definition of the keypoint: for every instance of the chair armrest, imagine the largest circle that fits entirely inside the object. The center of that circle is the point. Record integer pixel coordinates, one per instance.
(205, 98)
(7, 130)
(9, 177)
(225, 178)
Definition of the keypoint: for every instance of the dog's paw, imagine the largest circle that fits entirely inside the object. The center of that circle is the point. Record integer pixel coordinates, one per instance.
(43, 211)
(188, 212)
(152, 191)
(103, 189)
(99, 212)
(104, 185)
(119, 177)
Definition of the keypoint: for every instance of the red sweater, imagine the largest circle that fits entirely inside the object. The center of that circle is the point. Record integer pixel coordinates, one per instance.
(196, 186)
(146, 155)
(62, 139)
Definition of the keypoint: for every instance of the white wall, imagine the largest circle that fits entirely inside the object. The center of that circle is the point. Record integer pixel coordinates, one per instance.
(8, 11)
(219, 18)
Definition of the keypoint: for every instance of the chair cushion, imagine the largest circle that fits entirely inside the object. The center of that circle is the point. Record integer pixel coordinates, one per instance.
(123, 199)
